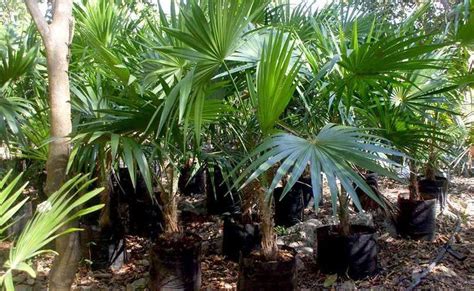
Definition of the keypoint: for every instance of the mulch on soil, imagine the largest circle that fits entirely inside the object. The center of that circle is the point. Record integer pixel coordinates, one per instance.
(401, 261)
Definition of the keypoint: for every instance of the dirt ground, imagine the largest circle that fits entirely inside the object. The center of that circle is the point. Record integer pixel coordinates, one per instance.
(401, 261)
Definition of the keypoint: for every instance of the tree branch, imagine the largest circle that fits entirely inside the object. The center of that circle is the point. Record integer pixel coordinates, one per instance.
(38, 18)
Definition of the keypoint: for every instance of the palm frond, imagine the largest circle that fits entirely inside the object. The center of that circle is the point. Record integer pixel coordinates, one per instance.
(9, 195)
(275, 80)
(210, 40)
(16, 62)
(335, 151)
(56, 212)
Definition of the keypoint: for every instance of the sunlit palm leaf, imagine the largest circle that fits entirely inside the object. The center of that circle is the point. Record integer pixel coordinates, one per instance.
(275, 80)
(210, 40)
(16, 62)
(9, 204)
(334, 152)
(60, 209)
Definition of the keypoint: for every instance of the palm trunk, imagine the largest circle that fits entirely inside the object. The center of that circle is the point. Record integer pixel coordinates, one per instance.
(57, 38)
(413, 186)
(430, 173)
(169, 190)
(170, 214)
(269, 242)
(269, 245)
(248, 200)
(105, 219)
(343, 212)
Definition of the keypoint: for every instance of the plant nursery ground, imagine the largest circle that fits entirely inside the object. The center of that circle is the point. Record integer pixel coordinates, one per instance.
(401, 262)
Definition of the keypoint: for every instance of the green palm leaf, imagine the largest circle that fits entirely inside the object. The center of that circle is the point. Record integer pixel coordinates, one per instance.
(9, 195)
(334, 151)
(15, 62)
(60, 209)
(210, 40)
(275, 81)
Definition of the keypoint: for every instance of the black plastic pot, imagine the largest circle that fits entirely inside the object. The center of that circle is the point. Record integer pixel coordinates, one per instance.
(259, 274)
(368, 203)
(137, 211)
(417, 218)
(176, 263)
(304, 185)
(238, 238)
(218, 198)
(437, 189)
(355, 255)
(103, 249)
(192, 184)
(289, 210)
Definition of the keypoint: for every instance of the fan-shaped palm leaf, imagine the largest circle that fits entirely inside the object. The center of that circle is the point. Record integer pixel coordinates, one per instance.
(334, 152)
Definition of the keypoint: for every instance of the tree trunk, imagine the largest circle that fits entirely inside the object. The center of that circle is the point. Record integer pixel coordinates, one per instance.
(57, 37)
(269, 241)
(430, 171)
(269, 245)
(248, 200)
(413, 187)
(169, 189)
(343, 213)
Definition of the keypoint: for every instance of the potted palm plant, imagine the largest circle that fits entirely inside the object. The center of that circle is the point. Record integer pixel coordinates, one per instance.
(205, 37)
(282, 155)
(337, 150)
(333, 151)
(387, 94)
(176, 96)
(399, 118)
(198, 40)
(433, 184)
(176, 255)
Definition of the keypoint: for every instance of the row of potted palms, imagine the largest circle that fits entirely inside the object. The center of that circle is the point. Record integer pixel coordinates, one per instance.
(277, 93)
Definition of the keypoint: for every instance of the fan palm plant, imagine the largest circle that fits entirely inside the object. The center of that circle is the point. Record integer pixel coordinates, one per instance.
(384, 80)
(16, 60)
(405, 112)
(107, 100)
(272, 94)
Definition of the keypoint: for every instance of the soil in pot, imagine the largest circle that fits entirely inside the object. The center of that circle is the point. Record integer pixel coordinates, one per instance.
(416, 218)
(437, 189)
(354, 255)
(257, 273)
(176, 263)
(239, 238)
(218, 198)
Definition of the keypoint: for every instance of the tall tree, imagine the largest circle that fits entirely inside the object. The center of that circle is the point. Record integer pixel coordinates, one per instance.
(57, 35)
